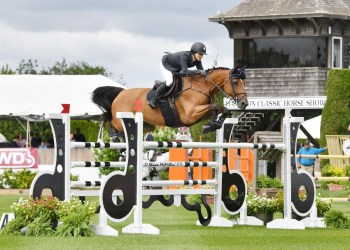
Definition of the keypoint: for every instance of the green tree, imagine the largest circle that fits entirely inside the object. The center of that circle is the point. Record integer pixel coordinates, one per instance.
(78, 68)
(5, 70)
(336, 112)
(27, 67)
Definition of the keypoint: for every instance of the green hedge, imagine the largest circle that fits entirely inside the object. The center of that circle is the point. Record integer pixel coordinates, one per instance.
(89, 128)
(10, 129)
(336, 113)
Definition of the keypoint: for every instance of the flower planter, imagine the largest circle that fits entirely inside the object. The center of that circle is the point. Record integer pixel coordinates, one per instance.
(265, 217)
(335, 187)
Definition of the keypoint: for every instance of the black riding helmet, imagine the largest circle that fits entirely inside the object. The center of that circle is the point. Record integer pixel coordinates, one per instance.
(199, 48)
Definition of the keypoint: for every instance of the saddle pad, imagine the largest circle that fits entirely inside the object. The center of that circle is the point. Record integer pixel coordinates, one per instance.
(168, 109)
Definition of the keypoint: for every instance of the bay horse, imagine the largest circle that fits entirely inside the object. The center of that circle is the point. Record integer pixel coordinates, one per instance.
(195, 103)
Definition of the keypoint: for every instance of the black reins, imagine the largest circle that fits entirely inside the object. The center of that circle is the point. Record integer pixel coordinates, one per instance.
(229, 79)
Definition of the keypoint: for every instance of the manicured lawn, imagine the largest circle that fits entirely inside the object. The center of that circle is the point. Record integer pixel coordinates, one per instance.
(178, 231)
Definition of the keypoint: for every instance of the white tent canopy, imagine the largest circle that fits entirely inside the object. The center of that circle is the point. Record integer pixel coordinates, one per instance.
(33, 96)
(313, 126)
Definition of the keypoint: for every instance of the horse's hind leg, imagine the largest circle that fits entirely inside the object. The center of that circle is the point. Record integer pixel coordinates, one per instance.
(120, 137)
(116, 135)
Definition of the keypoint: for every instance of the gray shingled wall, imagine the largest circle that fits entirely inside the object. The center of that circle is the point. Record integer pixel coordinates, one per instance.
(278, 82)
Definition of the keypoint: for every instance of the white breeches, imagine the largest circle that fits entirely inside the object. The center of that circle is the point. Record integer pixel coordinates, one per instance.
(167, 75)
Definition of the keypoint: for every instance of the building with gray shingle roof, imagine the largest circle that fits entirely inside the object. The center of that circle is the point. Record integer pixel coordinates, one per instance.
(278, 9)
(288, 47)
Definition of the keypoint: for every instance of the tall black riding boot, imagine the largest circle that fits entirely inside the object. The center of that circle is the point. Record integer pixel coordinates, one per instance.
(153, 103)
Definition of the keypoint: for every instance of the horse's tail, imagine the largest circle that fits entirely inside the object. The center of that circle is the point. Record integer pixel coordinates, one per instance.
(103, 97)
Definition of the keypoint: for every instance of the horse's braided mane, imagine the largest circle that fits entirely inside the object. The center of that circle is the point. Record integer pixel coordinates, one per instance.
(218, 68)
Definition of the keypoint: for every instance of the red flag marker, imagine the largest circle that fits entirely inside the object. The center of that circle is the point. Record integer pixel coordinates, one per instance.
(66, 108)
(138, 105)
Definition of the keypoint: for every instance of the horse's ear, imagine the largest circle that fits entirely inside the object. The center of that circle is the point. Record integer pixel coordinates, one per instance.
(238, 72)
(244, 67)
(236, 68)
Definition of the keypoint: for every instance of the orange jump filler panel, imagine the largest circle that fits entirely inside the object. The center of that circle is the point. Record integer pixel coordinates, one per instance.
(202, 154)
(178, 173)
(246, 161)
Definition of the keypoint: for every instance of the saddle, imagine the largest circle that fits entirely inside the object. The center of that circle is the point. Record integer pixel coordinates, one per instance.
(167, 101)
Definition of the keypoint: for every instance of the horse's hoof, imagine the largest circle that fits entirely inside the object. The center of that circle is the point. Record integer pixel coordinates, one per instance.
(207, 129)
(115, 138)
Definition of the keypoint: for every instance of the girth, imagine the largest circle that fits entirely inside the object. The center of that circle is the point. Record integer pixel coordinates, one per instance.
(167, 103)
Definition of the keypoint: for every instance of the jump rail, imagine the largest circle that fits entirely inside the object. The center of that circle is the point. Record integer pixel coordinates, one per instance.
(323, 156)
(329, 178)
(155, 145)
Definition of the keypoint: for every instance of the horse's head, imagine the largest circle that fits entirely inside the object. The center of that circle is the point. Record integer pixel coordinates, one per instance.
(236, 88)
(228, 81)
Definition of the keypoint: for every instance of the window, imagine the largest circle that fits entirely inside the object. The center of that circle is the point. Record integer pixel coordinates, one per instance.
(281, 52)
(337, 52)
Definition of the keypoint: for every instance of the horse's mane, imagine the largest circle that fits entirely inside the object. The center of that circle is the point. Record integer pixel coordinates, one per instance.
(218, 68)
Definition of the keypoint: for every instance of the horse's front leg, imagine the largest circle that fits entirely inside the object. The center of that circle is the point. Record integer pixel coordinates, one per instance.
(220, 121)
(215, 122)
(211, 126)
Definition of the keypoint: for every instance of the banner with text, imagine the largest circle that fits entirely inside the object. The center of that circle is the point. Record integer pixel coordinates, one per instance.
(267, 103)
(18, 158)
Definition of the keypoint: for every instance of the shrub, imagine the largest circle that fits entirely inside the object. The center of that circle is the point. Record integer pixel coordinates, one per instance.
(30, 209)
(106, 154)
(267, 182)
(74, 177)
(75, 224)
(20, 179)
(335, 114)
(195, 198)
(333, 172)
(257, 204)
(41, 226)
(278, 202)
(74, 205)
(164, 175)
(347, 170)
(336, 219)
(39, 215)
(14, 226)
(322, 205)
(1, 181)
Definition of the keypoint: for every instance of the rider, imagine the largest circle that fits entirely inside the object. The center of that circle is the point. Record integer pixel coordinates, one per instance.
(179, 62)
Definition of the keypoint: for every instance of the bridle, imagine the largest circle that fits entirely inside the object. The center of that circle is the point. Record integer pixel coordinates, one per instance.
(230, 78)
